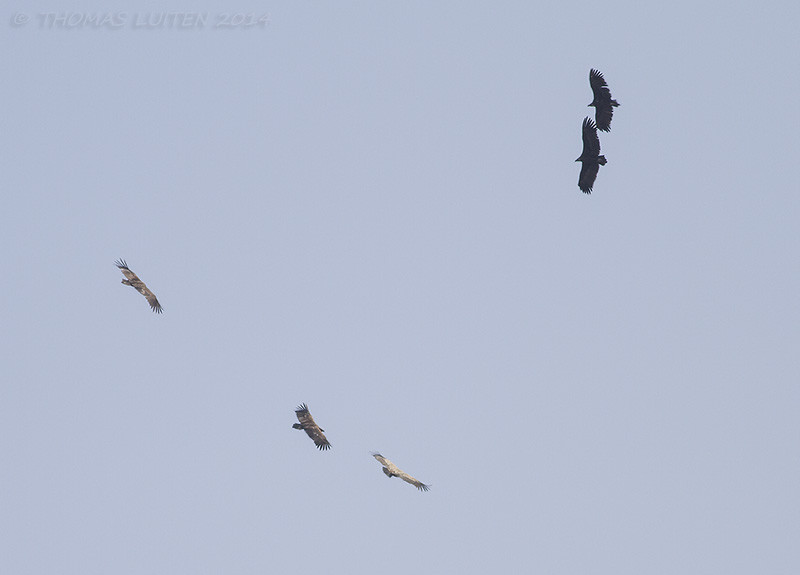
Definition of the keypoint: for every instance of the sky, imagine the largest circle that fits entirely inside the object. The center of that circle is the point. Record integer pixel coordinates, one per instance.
(372, 208)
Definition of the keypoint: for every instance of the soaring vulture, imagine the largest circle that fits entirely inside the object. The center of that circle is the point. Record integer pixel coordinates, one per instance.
(602, 102)
(590, 158)
(391, 470)
(308, 425)
(133, 280)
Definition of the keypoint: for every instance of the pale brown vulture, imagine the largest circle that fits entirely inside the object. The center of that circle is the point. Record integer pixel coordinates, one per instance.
(391, 470)
(311, 428)
(602, 102)
(134, 281)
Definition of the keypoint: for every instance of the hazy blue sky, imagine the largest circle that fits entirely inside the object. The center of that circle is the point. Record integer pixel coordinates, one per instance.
(372, 208)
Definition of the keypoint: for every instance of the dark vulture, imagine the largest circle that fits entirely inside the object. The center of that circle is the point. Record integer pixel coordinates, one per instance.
(133, 280)
(602, 102)
(590, 159)
(311, 428)
(391, 470)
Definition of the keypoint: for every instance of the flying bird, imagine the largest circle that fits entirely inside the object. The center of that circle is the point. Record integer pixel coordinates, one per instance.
(602, 102)
(391, 470)
(133, 280)
(590, 159)
(311, 428)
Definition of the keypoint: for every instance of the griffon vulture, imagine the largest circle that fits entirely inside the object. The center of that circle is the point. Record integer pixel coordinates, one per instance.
(590, 159)
(391, 470)
(602, 102)
(308, 425)
(133, 280)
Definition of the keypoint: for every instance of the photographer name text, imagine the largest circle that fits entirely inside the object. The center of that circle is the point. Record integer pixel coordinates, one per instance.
(143, 20)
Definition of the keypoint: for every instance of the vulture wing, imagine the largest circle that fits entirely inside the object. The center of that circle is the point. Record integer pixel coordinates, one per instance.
(591, 142)
(588, 176)
(415, 482)
(385, 462)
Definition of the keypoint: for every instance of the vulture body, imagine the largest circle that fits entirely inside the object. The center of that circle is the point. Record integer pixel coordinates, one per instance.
(131, 279)
(391, 470)
(590, 159)
(311, 428)
(602, 102)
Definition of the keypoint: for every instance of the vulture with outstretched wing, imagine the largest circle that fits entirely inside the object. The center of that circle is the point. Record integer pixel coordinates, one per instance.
(391, 470)
(311, 428)
(602, 102)
(590, 159)
(133, 280)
